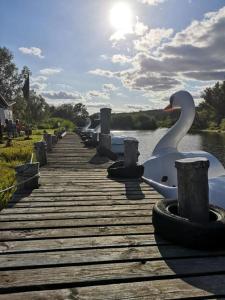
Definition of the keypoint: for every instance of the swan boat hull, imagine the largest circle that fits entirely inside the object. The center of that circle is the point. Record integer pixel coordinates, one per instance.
(161, 174)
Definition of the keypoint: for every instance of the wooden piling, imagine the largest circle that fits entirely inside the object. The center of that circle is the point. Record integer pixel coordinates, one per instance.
(105, 141)
(48, 140)
(193, 190)
(26, 172)
(40, 151)
(130, 152)
(105, 116)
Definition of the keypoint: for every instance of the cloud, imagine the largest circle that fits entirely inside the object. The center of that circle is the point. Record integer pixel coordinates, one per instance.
(152, 2)
(138, 106)
(38, 83)
(121, 59)
(97, 104)
(206, 76)
(97, 94)
(32, 51)
(50, 71)
(39, 78)
(152, 39)
(39, 86)
(140, 28)
(101, 72)
(62, 95)
(117, 36)
(109, 87)
(164, 60)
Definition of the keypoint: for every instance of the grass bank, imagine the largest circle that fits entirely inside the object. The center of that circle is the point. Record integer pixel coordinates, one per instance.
(10, 157)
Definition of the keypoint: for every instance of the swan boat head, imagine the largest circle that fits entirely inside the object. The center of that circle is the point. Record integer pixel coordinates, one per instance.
(160, 170)
(170, 141)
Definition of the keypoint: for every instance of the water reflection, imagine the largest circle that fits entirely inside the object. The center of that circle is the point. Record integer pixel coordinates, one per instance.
(207, 141)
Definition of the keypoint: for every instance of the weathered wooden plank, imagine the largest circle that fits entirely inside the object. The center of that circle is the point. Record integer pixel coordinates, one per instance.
(128, 195)
(70, 188)
(94, 186)
(81, 242)
(48, 231)
(203, 287)
(72, 197)
(75, 208)
(74, 215)
(92, 192)
(117, 272)
(94, 183)
(87, 256)
(75, 223)
(121, 203)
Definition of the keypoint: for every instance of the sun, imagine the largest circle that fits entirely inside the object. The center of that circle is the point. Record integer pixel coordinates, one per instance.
(121, 17)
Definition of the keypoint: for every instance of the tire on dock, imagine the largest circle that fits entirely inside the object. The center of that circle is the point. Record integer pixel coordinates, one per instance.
(182, 231)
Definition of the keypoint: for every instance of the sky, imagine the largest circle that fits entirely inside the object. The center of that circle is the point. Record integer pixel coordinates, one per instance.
(129, 55)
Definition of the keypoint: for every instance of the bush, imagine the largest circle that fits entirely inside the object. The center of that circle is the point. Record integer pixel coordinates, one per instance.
(54, 123)
(7, 180)
(16, 153)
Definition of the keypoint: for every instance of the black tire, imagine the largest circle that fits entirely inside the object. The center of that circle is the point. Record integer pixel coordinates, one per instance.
(118, 170)
(181, 231)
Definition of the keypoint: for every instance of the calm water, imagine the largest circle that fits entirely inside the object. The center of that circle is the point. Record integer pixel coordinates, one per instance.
(210, 142)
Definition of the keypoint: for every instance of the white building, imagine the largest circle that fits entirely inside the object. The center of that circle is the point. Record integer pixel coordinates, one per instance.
(5, 110)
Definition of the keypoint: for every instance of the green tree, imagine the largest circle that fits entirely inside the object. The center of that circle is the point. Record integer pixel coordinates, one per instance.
(122, 121)
(39, 109)
(215, 100)
(10, 79)
(80, 114)
(76, 113)
(64, 111)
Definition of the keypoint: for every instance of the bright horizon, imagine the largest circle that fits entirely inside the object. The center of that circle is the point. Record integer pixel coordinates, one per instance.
(129, 55)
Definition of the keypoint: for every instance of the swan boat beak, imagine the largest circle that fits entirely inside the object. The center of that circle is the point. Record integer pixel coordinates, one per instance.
(169, 108)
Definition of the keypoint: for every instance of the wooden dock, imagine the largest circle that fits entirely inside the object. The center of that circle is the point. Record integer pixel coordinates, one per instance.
(84, 236)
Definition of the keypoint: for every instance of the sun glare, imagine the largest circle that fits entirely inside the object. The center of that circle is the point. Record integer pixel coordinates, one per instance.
(121, 17)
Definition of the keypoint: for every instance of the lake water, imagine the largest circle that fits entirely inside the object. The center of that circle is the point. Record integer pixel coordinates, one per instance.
(207, 141)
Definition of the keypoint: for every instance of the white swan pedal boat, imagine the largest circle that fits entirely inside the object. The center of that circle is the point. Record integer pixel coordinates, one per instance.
(160, 171)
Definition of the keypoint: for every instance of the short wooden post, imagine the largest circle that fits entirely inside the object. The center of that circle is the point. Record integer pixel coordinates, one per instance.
(25, 172)
(105, 116)
(130, 152)
(105, 141)
(40, 151)
(54, 139)
(193, 189)
(48, 140)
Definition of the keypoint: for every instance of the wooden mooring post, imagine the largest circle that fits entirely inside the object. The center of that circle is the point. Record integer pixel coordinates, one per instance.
(54, 139)
(104, 136)
(26, 172)
(193, 189)
(40, 151)
(48, 140)
(130, 152)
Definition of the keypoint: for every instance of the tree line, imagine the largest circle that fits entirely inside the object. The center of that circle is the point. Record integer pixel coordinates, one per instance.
(210, 114)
